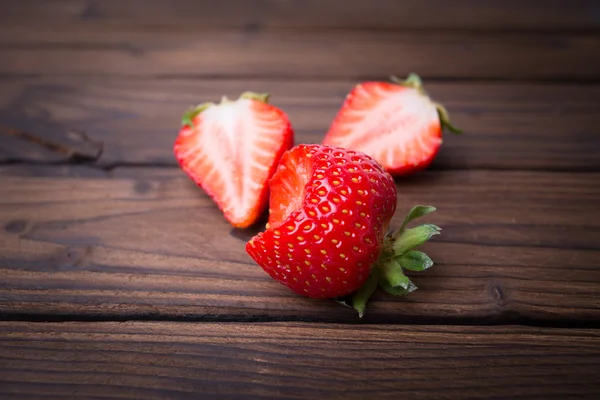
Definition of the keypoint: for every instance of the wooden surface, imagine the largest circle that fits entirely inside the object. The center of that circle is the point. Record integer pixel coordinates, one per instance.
(192, 51)
(511, 125)
(246, 360)
(497, 261)
(545, 15)
(149, 290)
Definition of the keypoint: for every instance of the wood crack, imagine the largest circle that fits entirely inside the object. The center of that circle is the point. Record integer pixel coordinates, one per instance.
(505, 319)
(36, 139)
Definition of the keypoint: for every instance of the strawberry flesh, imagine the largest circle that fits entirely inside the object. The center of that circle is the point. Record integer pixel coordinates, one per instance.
(288, 186)
(231, 150)
(397, 124)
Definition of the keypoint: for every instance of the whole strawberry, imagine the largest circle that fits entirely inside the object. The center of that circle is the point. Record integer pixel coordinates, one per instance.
(231, 150)
(330, 209)
(395, 122)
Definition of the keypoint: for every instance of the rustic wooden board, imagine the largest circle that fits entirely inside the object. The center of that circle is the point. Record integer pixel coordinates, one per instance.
(122, 49)
(355, 14)
(508, 126)
(517, 246)
(231, 360)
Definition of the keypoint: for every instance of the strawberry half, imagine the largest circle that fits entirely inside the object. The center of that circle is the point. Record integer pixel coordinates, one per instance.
(395, 123)
(231, 150)
(330, 209)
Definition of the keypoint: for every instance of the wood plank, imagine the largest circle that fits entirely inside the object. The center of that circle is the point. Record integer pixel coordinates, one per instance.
(120, 49)
(375, 14)
(517, 246)
(231, 360)
(508, 126)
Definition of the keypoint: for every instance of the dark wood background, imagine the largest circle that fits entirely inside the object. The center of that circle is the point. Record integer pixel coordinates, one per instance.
(119, 278)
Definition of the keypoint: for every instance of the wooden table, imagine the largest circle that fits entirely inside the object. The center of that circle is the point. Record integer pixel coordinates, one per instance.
(120, 279)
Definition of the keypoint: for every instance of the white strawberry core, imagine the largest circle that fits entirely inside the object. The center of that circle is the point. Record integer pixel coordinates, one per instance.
(237, 147)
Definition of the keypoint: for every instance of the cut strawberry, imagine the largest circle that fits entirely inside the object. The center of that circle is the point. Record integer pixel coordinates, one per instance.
(231, 150)
(395, 123)
(327, 232)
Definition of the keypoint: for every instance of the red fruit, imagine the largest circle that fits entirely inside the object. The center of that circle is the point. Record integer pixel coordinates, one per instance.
(329, 213)
(395, 123)
(231, 150)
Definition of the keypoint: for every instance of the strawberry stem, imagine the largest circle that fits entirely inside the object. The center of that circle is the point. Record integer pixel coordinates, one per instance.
(262, 97)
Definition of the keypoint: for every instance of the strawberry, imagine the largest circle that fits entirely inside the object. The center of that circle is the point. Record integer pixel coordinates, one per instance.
(330, 209)
(231, 150)
(395, 123)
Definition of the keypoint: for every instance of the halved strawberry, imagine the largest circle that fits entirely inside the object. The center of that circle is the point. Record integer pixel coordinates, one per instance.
(395, 123)
(231, 150)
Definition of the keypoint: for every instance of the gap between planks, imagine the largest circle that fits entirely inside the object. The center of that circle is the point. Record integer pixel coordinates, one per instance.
(492, 323)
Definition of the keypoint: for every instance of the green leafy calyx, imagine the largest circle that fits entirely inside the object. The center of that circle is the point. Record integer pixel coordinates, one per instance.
(445, 119)
(398, 255)
(193, 112)
(412, 81)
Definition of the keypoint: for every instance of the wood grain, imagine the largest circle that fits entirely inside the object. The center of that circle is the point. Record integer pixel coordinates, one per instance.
(43, 170)
(207, 360)
(354, 14)
(508, 126)
(122, 49)
(517, 246)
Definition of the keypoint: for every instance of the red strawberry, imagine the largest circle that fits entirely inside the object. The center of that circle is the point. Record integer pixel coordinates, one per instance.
(329, 212)
(231, 150)
(395, 123)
